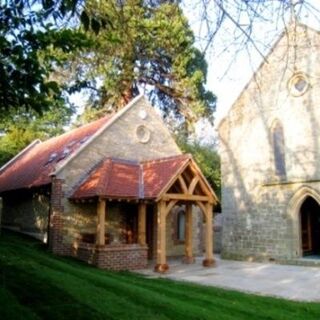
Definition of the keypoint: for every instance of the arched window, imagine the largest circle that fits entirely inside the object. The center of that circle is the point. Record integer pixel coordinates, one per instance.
(279, 150)
(181, 218)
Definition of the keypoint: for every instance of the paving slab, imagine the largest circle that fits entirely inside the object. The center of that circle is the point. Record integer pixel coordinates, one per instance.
(284, 281)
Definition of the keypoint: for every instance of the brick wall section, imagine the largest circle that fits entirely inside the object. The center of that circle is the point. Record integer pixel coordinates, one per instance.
(56, 241)
(117, 257)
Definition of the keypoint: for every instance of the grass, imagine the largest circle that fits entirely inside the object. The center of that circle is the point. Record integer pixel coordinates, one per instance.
(34, 284)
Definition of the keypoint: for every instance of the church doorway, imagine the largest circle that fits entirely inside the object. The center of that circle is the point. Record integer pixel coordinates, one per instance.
(310, 227)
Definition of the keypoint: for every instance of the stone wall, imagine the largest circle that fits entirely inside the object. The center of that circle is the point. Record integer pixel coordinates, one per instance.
(217, 232)
(175, 247)
(120, 222)
(255, 201)
(26, 212)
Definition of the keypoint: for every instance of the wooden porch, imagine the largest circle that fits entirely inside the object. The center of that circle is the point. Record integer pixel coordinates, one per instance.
(187, 187)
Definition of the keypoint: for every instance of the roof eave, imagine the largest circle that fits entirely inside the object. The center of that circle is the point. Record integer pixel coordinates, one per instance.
(27, 148)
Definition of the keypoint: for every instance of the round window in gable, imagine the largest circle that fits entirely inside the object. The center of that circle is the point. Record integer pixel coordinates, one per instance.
(298, 84)
(143, 134)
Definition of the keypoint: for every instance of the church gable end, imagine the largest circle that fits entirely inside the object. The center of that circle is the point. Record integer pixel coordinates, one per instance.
(270, 148)
(137, 134)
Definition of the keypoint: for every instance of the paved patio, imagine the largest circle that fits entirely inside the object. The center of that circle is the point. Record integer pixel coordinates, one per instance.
(289, 282)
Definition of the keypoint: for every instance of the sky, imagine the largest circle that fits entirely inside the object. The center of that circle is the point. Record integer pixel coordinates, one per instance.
(231, 65)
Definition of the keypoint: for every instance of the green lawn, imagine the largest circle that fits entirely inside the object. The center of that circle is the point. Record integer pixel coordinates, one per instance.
(37, 285)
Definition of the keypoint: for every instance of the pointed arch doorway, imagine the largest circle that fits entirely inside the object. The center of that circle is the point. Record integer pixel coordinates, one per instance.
(310, 227)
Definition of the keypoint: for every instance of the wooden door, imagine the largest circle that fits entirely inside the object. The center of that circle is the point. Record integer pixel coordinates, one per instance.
(306, 233)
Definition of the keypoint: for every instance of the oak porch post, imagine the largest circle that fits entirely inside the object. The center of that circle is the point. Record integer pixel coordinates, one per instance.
(188, 258)
(209, 260)
(101, 212)
(161, 265)
(142, 223)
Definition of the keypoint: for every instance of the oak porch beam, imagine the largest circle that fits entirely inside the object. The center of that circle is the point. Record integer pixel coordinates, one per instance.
(161, 265)
(183, 184)
(209, 260)
(193, 184)
(101, 214)
(142, 212)
(169, 206)
(185, 197)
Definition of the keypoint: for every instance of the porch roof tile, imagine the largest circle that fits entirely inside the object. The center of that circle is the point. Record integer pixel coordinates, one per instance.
(129, 179)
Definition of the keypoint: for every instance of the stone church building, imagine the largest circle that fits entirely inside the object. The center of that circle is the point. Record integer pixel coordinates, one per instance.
(114, 193)
(270, 153)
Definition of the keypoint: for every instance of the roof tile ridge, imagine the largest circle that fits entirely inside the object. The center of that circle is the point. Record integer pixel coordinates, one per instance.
(18, 155)
(84, 177)
(125, 161)
(186, 156)
(105, 177)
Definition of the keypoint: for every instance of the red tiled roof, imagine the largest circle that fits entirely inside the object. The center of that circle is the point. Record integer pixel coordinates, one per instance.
(157, 173)
(128, 179)
(33, 166)
(114, 178)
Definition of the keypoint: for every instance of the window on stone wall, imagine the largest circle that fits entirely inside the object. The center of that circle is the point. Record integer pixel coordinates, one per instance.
(279, 150)
(181, 218)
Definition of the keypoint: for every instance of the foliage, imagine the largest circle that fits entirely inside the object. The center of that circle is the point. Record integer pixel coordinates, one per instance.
(207, 159)
(20, 127)
(139, 46)
(120, 48)
(33, 43)
(37, 285)
(27, 31)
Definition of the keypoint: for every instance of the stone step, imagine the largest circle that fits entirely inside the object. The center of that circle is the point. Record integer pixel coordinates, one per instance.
(306, 262)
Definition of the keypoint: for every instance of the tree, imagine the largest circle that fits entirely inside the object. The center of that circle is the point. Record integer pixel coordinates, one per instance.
(137, 44)
(20, 127)
(33, 42)
(27, 30)
(143, 45)
(207, 158)
(119, 48)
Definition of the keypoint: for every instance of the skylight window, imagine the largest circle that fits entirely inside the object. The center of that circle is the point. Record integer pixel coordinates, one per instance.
(53, 156)
(64, 153)
(71, 144)
(84, 139)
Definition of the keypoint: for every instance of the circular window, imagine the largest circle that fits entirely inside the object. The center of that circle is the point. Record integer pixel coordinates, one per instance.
(143, 134)
(298, 84)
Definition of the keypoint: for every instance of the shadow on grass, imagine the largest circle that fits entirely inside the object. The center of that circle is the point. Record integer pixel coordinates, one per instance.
(24, 293)
(42, 298)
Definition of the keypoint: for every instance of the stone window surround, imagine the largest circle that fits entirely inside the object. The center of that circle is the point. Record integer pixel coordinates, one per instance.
(175, 225)
(143, 133)
(293, 84)
(293, 210)
(278, 156)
